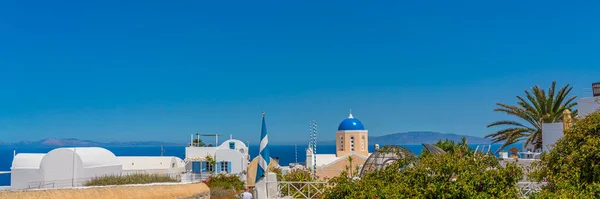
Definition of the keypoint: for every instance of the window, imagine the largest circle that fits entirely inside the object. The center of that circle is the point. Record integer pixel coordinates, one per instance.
(351, 143)
(231, 145)
(210, 167)
(362, 143)
(341, 143)
(224, 166)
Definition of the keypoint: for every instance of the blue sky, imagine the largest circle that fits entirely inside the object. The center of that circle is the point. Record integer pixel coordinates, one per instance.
(159, 70)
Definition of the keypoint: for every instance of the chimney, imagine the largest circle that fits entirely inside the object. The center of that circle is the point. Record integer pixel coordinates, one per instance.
(596, 89)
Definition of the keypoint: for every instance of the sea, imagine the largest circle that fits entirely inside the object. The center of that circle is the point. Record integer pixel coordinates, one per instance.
(286, 153)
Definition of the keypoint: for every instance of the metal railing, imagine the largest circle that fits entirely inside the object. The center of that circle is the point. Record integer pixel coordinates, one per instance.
(296, 189)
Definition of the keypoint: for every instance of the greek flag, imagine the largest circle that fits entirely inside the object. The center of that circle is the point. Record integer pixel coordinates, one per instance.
(263, 157)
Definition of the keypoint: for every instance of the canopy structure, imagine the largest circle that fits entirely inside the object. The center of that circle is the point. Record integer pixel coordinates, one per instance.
(383, 157)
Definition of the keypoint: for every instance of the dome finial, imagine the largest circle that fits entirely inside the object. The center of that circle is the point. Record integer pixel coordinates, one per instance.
(350, 116)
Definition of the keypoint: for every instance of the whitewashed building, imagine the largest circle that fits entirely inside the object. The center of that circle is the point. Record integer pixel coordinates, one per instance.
(231, 157)
(73, 167)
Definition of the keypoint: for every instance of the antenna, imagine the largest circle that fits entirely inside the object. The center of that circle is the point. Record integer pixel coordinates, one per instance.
(312, 126)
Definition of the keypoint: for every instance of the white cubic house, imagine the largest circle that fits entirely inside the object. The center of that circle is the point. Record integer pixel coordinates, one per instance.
(73, 167)
(231, 157)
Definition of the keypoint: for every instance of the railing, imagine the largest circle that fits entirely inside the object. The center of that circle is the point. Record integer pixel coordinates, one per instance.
(296, 189)
(526, 188)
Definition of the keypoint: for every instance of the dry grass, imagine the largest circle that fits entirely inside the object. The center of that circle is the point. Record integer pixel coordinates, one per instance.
(116, 192)
(141, 178)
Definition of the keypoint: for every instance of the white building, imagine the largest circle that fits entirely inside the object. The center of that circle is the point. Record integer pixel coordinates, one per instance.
(231, 157)
(73, 167)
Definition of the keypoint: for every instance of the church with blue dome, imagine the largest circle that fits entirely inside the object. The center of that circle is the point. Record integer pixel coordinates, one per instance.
(351, 140)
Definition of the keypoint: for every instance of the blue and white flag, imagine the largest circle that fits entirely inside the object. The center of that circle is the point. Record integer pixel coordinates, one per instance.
(264, 158)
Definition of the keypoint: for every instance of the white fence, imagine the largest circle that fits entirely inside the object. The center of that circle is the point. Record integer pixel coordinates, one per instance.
(288, 189)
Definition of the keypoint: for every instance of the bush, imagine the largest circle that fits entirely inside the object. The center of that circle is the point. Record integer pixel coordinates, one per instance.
(572, 167)
(456, 174)
(221, 185)
(130, 179)
(299, 175)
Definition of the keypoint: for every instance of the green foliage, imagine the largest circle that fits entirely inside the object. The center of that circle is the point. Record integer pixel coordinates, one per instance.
(299, 175)
(231, 182)
(572, 167)
(457, 174)
(198, 142)
(130, 179)
(536, 108)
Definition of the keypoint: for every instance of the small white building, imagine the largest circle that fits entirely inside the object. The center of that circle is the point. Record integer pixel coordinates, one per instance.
(231, 157)
(73, 167)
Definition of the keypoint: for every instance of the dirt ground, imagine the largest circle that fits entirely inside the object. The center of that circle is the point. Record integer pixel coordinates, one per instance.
(197, 190)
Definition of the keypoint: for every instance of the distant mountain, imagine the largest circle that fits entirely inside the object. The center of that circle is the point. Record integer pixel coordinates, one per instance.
(72, 142)
(409, 138)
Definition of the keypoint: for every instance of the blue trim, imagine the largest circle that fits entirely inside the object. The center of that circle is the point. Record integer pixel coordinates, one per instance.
(196, 167)
(228, 167)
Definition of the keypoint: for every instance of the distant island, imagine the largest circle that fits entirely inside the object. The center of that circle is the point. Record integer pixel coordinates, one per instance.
(72, 142)
(418, 137)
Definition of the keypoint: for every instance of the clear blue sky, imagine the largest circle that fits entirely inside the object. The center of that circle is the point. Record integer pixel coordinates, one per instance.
(160, 70)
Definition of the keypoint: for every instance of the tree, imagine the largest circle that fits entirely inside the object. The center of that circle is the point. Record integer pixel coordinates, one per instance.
(457, 174)
(198, 142)
(536, 108)
(572, 167)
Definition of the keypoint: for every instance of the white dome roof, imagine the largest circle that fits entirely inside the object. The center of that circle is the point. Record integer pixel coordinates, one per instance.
(27, 161)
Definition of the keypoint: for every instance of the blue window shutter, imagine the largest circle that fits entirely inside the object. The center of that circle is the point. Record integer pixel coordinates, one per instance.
(195, 167)
(204, 166)
(218, 167)
(228, 167)
(231, 145)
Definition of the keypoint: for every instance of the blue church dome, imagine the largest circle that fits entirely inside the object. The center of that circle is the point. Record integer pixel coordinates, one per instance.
(350, 124)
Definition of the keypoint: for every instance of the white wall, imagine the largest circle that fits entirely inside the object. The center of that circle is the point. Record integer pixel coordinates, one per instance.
(238, 161)
(551, 132)
(151, 164)
(588, 105)
(199, 152)
(23, 178)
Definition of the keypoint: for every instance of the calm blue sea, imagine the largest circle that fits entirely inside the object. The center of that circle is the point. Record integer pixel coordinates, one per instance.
(286, 153)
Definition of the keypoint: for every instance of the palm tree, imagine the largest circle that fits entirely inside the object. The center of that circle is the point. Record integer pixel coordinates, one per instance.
(539, 108)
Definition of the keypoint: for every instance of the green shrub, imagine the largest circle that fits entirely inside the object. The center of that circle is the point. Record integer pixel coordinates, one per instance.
(572, 167)
(130, 179)
(224, 186)
(299, 175)
(457, 174)
(225, 182)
